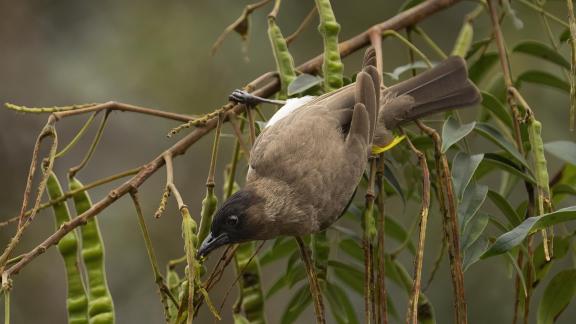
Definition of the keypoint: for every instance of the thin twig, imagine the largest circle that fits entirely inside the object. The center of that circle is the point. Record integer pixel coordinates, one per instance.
(23, 222)
(240, 273)
(240, 25)
(311, 14)
(412, 315)
(78, 135)
(454, 247)
(74, 170)
(381, 253)
(313, 281)
(158, 279)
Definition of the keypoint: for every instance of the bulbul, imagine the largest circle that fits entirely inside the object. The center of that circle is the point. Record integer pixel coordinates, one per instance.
(307, 162)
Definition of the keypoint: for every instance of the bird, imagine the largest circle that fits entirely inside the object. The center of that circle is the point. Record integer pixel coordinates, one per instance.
(306, 163)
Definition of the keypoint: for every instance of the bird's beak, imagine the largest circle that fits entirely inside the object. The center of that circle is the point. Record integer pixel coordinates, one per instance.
(210, 243)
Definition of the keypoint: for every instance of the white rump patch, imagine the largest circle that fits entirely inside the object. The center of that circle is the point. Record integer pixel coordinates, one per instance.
(290, 106)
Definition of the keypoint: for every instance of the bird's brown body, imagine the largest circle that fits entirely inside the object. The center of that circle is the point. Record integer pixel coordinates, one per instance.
(304, 169)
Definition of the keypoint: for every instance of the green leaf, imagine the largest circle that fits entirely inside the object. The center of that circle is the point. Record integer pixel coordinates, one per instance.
(557, 296)
(340, 305)
(349, 275)
(452, 132)
(302, 83)
(493, 135)
(543, 51)
(492, 161)
(472, 200)
(393, 182)
(295, 275)
(565, 189)
(353, 249)
(476, 46)
(504, 205)
(565, 36)
(543, 78)
(482, 66)
(277, 285)
(519, 271)
(564, 150)
(496, 107)
(511, 239)
(398, 71)
(463, 168)
(278, 251)
(541, 266)
(473, 253)
(297, 304)
(240, 319)
(398, 233)
(474, 229)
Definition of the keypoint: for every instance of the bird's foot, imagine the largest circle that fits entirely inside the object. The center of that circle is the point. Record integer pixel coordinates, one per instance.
(243, 97)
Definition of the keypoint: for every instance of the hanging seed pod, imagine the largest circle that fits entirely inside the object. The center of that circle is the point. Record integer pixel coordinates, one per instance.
(76, 302)
(329, 28)
(100, 304)
(282, 56)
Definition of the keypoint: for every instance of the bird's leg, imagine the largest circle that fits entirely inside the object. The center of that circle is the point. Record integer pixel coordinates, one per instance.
(248, 99)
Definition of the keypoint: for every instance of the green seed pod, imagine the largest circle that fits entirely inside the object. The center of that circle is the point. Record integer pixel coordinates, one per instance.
(282, 56)
(329, 28)
(76, 302)
(540, 164)
(100, 304)
(209, 205)
(464, 40)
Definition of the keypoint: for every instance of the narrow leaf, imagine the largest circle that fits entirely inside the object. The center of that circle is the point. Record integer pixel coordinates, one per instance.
(474, 229)
(473, 253)
(557, 296)
(297, 304)
(302, 83)
(493, 135)
(564, 150)
(482, 66)
(505, 207)
(513, 238)
(542, 51)
(543, 78)
(496, 107)
(452, 132)
(463, 168)
(492, 161)
(472, 200)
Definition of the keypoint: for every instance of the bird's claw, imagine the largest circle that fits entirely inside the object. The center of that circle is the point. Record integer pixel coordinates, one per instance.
(243, 97)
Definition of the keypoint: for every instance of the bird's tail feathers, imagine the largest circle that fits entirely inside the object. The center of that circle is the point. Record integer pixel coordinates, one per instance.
(444, 87)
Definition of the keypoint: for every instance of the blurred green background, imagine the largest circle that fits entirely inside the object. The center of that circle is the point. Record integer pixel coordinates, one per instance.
(157, 54)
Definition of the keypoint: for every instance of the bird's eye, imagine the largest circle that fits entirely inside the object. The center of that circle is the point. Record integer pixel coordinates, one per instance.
(232, 220)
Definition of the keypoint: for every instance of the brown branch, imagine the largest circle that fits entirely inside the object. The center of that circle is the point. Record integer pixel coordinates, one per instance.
(270, 85)
(412, 314)
(240, 25)
(47, 131)
(112, 105)
(454, 247)
(312, 281)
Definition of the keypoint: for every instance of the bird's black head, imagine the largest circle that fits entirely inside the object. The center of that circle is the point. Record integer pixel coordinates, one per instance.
(236, 221)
